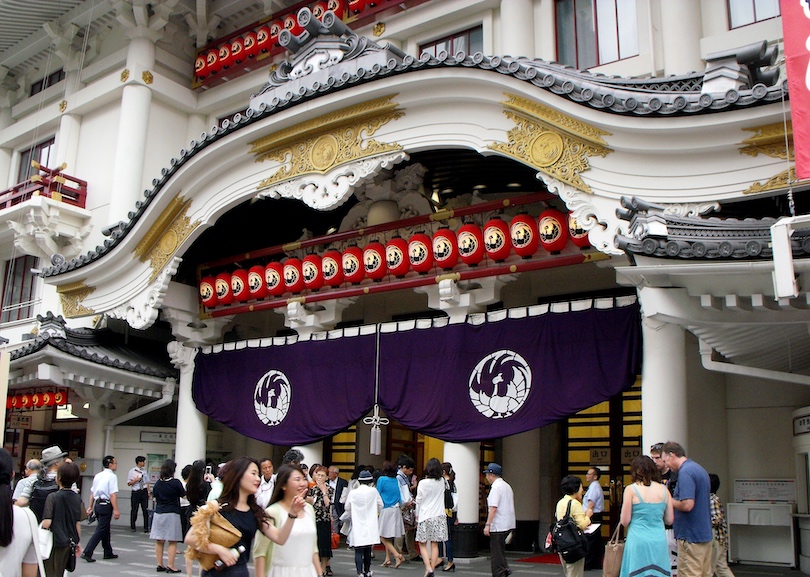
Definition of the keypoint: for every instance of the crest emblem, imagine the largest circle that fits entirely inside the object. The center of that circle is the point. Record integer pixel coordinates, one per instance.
(271, 397)
(500, 384)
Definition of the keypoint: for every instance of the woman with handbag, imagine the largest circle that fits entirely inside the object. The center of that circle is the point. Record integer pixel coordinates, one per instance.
(166, 525)
(571, 504)
(391, 526)
(452, 517)
(431, 526)
(62, 515)
(237, 505)
(646, 507)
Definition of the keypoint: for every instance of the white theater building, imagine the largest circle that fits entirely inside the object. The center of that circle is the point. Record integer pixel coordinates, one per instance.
(152, 176)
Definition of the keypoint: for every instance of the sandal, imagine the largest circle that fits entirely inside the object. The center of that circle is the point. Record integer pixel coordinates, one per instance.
(400, 561)
(385, 563)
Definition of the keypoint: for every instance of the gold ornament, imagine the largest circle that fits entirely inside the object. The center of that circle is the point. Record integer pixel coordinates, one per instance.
(72, 295)
(163, 239)
(379, 29)
(125, 75)
(147, 77)
(63, 106)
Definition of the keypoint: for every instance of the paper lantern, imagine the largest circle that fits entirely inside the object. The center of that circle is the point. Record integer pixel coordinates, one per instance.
(356, 6)
(208, 292)
(353, 269)
(276, 26)
(335, 6)
(374, 261)
(251, 45)
(60, 398)
(319, 9)
(38, 399)
(223, 288)
(25, 401)
(331, 265)
(470, 244)
(264, 39)
(420, 252)
(238, 50)
(313, 274)
(553, 230)
(396, 257)
(445, 248)
(496, 239)
(274, 279)
(523, 235)
(224, 56)
(256, 286)
(239, 285)
(212, 61)
(579, 236)
(47, 399)
(291, 24)
(200, 66)
(293, 277)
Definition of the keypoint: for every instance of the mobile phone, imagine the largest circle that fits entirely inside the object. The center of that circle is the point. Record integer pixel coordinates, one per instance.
(208, 469)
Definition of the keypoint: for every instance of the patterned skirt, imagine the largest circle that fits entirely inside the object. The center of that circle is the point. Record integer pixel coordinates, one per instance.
(433, 529)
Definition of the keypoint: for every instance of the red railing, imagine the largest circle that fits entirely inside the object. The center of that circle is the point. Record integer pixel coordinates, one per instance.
(50, 182)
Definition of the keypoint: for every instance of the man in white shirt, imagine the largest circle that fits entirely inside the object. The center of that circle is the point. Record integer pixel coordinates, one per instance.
(268, 483)
(500, 518)
(104, 503)
(594, 504)
(138, 481)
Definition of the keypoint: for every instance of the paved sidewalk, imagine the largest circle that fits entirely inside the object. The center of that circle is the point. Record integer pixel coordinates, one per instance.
(136, 556)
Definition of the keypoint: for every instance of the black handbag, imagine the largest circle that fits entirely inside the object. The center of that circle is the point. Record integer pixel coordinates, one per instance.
(567, 538)
(71, 560)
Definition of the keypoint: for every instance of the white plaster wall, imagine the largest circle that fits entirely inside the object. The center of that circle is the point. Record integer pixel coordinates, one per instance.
(165, 137)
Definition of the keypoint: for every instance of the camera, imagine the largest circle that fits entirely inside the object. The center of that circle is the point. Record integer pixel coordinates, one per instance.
(208, 469)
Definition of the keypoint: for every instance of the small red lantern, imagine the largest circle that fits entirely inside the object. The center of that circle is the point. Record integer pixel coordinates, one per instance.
(396, 257)
(47, 399)
(332, 268)
(25, 401)
(291, 24)
(208, 292)
(470, 244)
(251, 45)
(201, 66)
(38, 399)
(264, 39)
(523, 234)
(356, 6)
(60, 398)
(335, 6)
(223, 287)
(445, 248)
(274, 279)
(276, 26)
(239, 285)
(553, 230)
(319, 9)
(293, 277)
(255, 282)
(496, 239)
(312, 271)
(420, 252)
(212, 61)
(374, 261)
(353, 268)
(238, 50)
(224, 58)
(579, 236)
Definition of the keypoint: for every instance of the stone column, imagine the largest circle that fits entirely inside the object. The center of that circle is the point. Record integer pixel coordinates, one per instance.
(517, 27)
(663, 384)
(190, 421)
(6, 154)
(521, 455)
(464, 458)
(93, 451)
(313, 453)
(681, 31)
(67, 137)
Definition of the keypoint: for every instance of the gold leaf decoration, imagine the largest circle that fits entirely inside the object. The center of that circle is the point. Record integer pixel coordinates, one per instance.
(163, 239)
(63, 106)
(780, 181)
(550, 141)
(147, 77)
(323, 143)
(72, 295)
(125, 75)
(770, 140)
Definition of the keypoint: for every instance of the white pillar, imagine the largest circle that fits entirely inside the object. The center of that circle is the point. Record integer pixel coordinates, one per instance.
(521, 454)
(190, 421)
(5, 153)
(464, 458)
(517, 27)
(67, 137)
(663, 384)
(313, 453)
(681, 31)
(259, 450)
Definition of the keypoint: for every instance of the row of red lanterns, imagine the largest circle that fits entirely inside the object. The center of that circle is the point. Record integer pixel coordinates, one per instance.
(523, 235)
(37, 400)
(251, 44)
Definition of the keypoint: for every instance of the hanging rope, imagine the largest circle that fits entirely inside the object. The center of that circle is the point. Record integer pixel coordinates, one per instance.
(376, 420)
(791, 203)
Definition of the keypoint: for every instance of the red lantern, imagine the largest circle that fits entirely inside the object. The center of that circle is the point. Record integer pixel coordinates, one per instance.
(255, 282)
(579, 236)
(312, 271)
(335, 6)
(238, 50)
(223, 287)
(25, 401)
(201, 66)
(47, 399)
(208, 292)
(293, 277)
(524, 236)
(251, 45)
(38, 399)
(9, 402)
(374, 261)
(470, 244)
(553, 230)
(239, 285)
(353, 268)
(496, 239)
(445, 248)
(332, 268)
(356, 6)
(291, 24)
(420, 252)
(60, 398)
(212, 61)
(224, 58)
(396, 257)
(274, 279)
(264, 39)
(276, 26)
(319, 9)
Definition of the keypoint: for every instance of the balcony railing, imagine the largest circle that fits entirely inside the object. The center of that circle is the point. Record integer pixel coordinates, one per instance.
(49, 182)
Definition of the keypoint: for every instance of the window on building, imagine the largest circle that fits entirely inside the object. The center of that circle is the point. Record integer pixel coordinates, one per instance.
(595, 32)
(18, 289)
(745, 12)
(469, 41)
(42, 153)
(49, 80)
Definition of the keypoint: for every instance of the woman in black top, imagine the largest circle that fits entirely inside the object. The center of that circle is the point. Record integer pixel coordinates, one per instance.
(166, 521)
(63, 510)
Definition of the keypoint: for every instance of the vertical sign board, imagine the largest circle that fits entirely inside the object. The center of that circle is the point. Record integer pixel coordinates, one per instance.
(796, 30)
(4, 357)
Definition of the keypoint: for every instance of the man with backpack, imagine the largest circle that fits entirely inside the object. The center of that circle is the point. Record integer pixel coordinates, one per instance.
(45, 483)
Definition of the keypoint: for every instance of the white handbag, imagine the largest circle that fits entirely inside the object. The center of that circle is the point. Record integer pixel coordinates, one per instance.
(32, 520)
(45, 541)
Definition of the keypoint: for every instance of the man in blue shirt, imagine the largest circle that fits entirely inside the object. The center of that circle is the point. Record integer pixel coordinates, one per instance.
(693, 522)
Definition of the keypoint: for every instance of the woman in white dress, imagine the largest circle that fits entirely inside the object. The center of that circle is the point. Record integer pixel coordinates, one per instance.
(18, 555)
(431, 528)
(363, 506)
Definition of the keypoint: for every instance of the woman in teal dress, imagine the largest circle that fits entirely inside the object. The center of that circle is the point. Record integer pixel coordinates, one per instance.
(647, 506)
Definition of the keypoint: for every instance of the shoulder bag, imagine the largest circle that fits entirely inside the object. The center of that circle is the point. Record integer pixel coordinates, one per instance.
(567, 538)
(209, 526)
(614, 550)
(32, 521)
